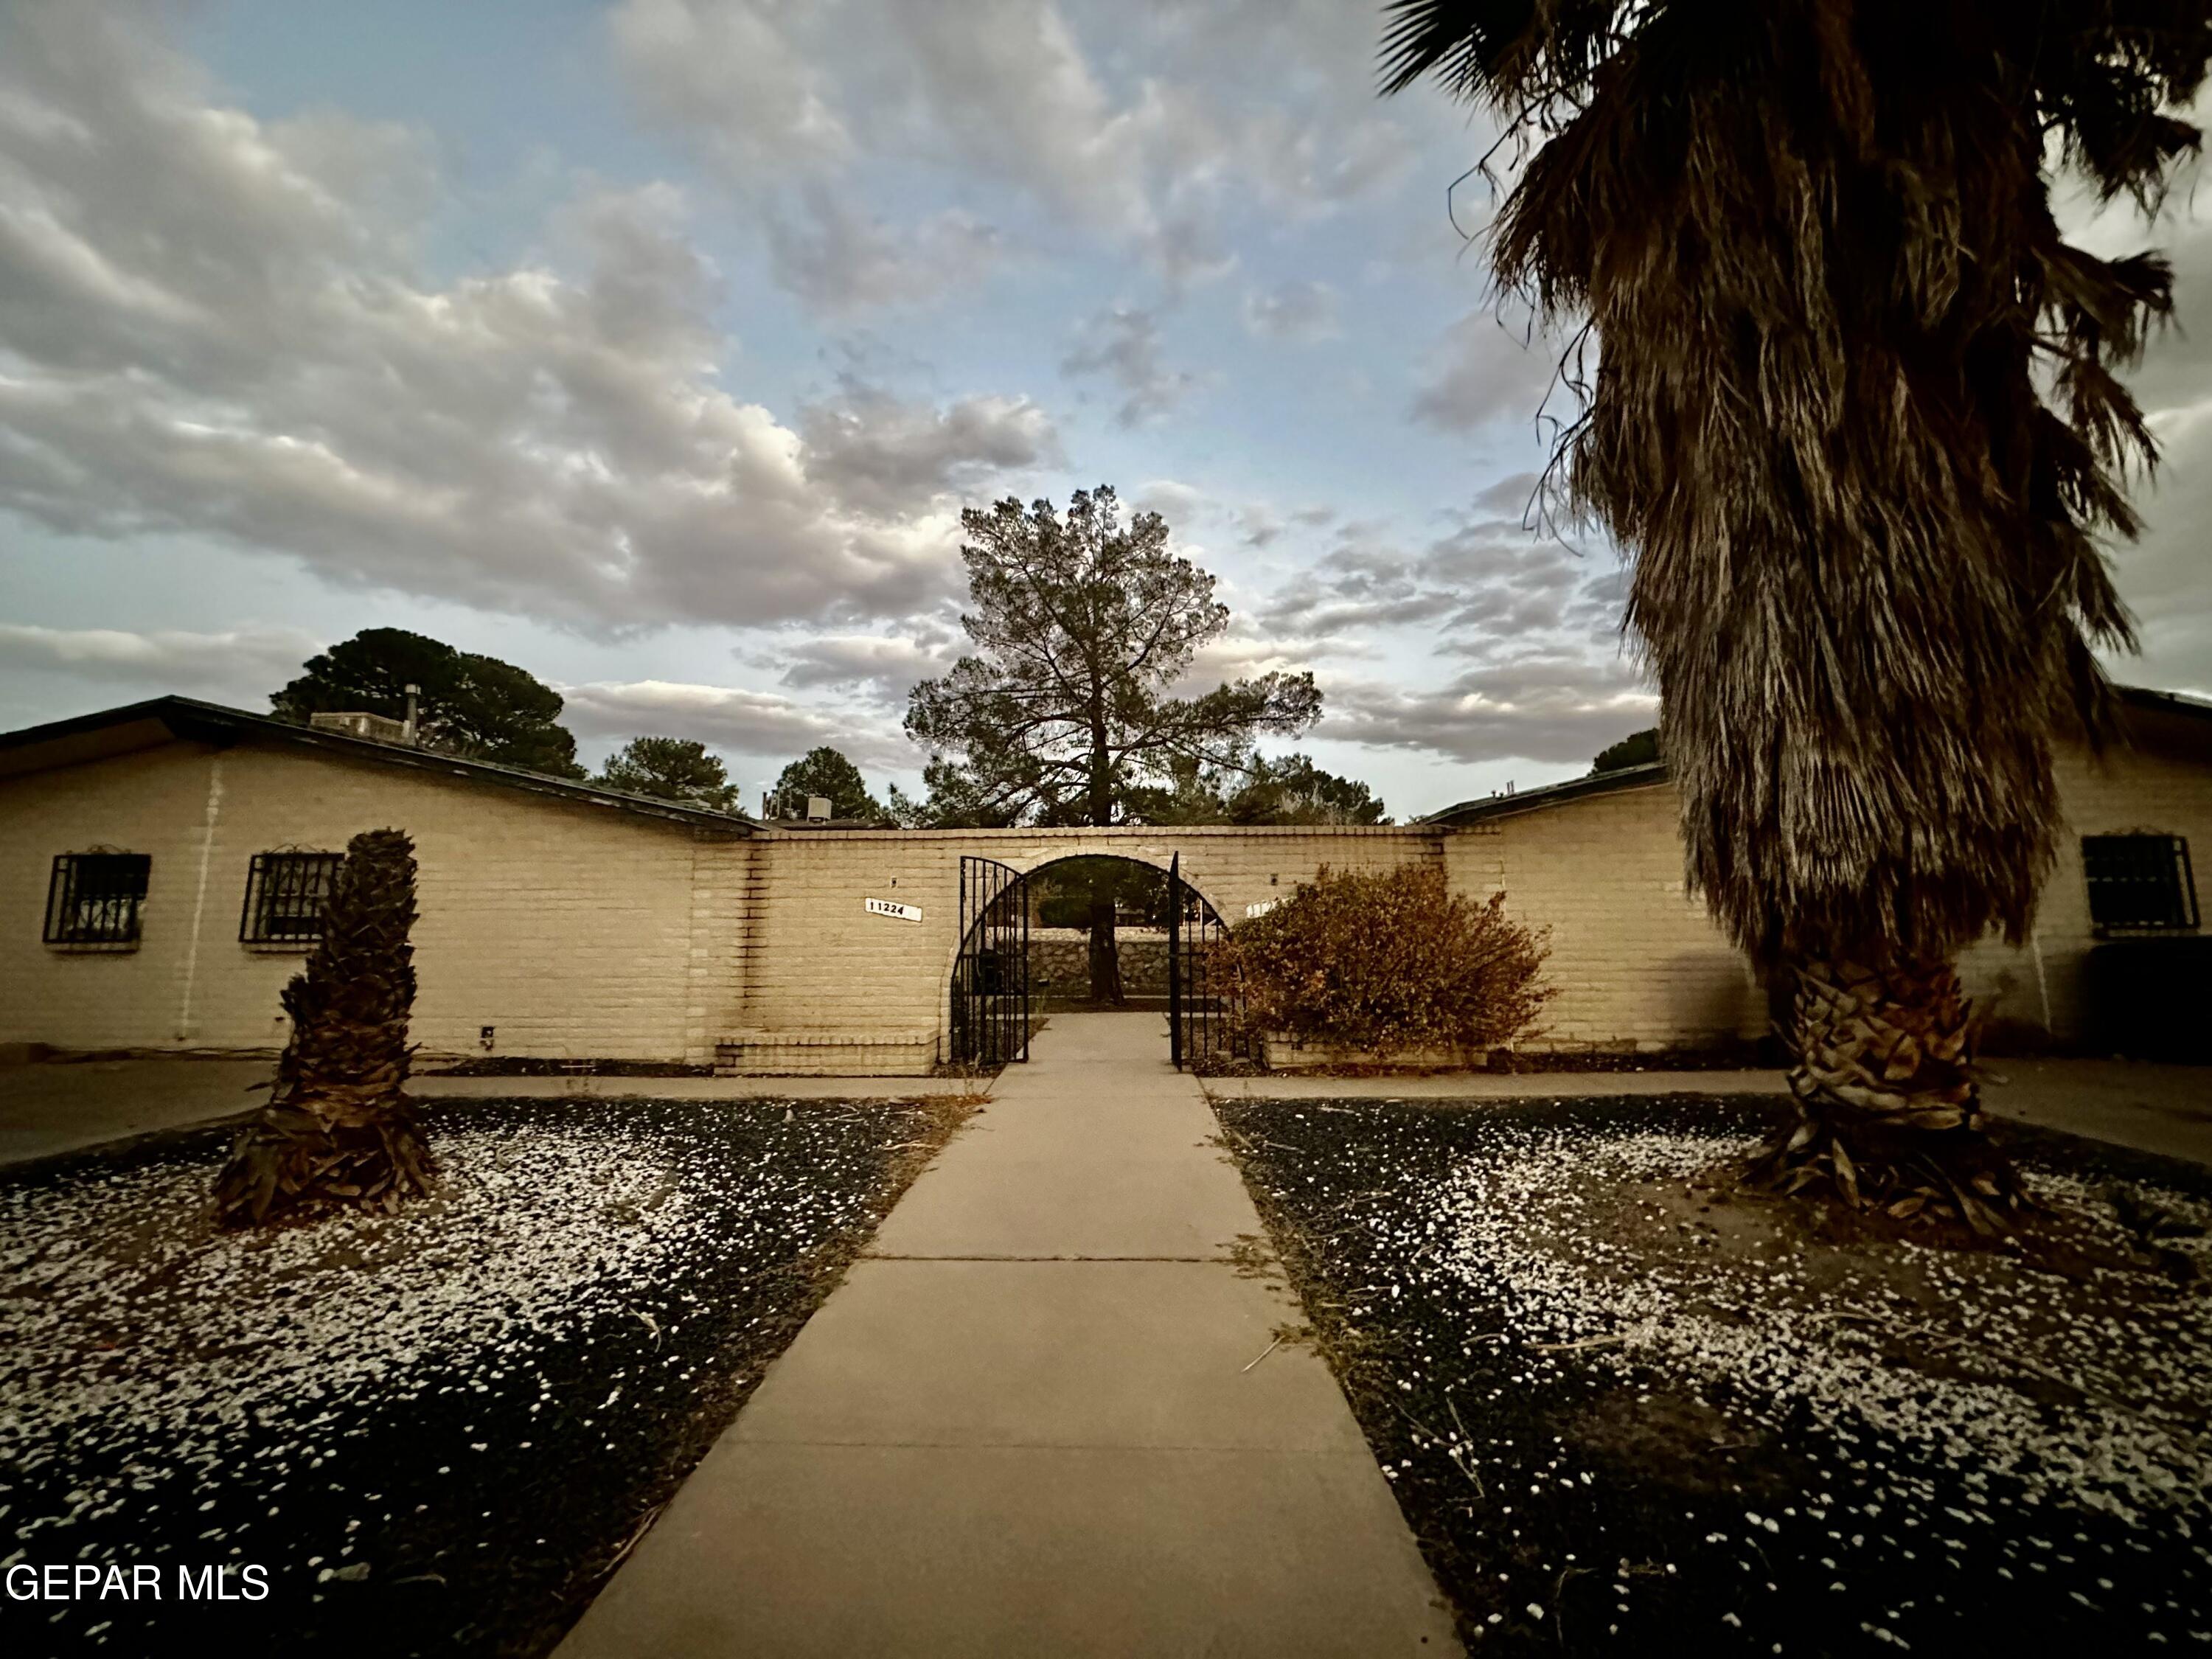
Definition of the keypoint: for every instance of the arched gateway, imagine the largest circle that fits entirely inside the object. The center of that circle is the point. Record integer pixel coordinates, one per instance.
(993, 1006)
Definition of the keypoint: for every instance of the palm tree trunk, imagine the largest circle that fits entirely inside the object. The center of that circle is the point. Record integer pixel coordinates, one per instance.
(1888, 1110)
(338, 1131)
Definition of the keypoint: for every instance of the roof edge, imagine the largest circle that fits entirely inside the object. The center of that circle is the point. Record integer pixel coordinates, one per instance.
(191, 719)
(1597, 783)
(1655, 772)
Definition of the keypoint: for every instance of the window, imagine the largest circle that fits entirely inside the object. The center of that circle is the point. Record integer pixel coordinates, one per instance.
(285, 893)
(2139, 882)
(93, 900)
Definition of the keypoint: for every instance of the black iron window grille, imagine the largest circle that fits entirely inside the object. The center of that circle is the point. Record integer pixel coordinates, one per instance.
(94, 899)
(2140, 882)
(285, 893)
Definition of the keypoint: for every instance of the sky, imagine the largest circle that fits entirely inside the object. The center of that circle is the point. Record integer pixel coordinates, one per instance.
(656, 347)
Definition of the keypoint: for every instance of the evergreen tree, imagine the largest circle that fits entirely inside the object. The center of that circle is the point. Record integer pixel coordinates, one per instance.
(1637, 748)
(826, 772)
(669, 769)
(1065, 712)
(473, 706)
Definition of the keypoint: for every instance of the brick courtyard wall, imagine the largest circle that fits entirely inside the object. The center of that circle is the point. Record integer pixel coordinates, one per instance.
(1638, 964)
(572, 930)
(833, 989)
(582, 931)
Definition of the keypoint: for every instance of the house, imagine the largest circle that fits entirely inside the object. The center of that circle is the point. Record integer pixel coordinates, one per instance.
(161, 866)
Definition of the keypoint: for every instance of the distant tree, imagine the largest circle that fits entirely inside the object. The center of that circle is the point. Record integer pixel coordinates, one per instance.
(669, 769)
(951, 798)
(1188, 792)
(470, 705)
(1083, 625)
(1637, 748)
(826, 772)
(1293, 790)
(338, 1131)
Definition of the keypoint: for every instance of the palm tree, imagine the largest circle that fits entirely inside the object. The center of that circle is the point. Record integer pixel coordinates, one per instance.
(338, 1130)
(1855, 420)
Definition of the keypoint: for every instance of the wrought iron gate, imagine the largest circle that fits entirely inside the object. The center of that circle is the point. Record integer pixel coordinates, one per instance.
(1203, 1029)
(991, 979)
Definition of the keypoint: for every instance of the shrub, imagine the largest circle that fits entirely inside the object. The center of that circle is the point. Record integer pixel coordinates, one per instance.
(1388, 962)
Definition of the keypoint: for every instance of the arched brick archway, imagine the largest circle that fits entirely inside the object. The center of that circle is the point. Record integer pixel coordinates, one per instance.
(1167, 866)
(830, 985)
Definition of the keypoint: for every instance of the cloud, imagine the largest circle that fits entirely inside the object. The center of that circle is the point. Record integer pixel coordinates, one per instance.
(736, 81)
(1139, 126)
(1486, 370)
(878, 666)
(1299, 311)
(1508, 497)
(760, 723)
(2163, 574)
(885, 455)
(843, 262)
(1122, 343)
(1484, 581)
(215, 325)
(238, 665)
(1176, 502)
(1550, 707)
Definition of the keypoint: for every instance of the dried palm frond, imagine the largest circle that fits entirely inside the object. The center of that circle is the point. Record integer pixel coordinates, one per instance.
(1854, 417)
(1856, 421)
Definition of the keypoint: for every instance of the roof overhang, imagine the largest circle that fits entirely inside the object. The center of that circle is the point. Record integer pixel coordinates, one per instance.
(142, 726)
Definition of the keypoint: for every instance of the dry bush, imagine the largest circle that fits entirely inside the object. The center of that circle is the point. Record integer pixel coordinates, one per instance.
(1387, 963)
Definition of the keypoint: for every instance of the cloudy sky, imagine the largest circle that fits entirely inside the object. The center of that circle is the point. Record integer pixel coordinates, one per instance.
(656, 346)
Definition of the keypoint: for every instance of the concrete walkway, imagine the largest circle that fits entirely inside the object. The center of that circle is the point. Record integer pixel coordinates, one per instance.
(1032, 1421)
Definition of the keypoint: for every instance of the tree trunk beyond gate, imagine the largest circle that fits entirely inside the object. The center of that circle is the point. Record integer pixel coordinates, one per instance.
(1105, 959)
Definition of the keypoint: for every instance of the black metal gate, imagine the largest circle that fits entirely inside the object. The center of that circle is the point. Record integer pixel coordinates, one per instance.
(1203, 1029)
(991, 979)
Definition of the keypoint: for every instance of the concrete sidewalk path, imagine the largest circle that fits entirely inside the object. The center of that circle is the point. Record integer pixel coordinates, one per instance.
(1032, 1421)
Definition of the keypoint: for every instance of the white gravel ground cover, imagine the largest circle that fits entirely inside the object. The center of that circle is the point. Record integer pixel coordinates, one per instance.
(339, 1403)
(2129, 1445)
(1735, 1434)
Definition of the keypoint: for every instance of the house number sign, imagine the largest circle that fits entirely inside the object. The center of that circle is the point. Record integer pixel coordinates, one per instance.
(895, 911)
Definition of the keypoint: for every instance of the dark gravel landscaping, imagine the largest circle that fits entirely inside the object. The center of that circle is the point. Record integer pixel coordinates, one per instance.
(1625, 1411)
(435, 1433)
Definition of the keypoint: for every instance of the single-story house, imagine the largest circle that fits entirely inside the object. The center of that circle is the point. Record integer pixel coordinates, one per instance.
(161, 866)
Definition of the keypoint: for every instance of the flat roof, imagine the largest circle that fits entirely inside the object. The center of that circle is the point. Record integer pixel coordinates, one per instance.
(146, 724)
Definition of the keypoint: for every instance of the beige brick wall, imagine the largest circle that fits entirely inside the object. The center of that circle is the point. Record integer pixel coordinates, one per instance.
(572, 930)
(1635, 960)
(823, 973)
(581, 931)
(2039, 984)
